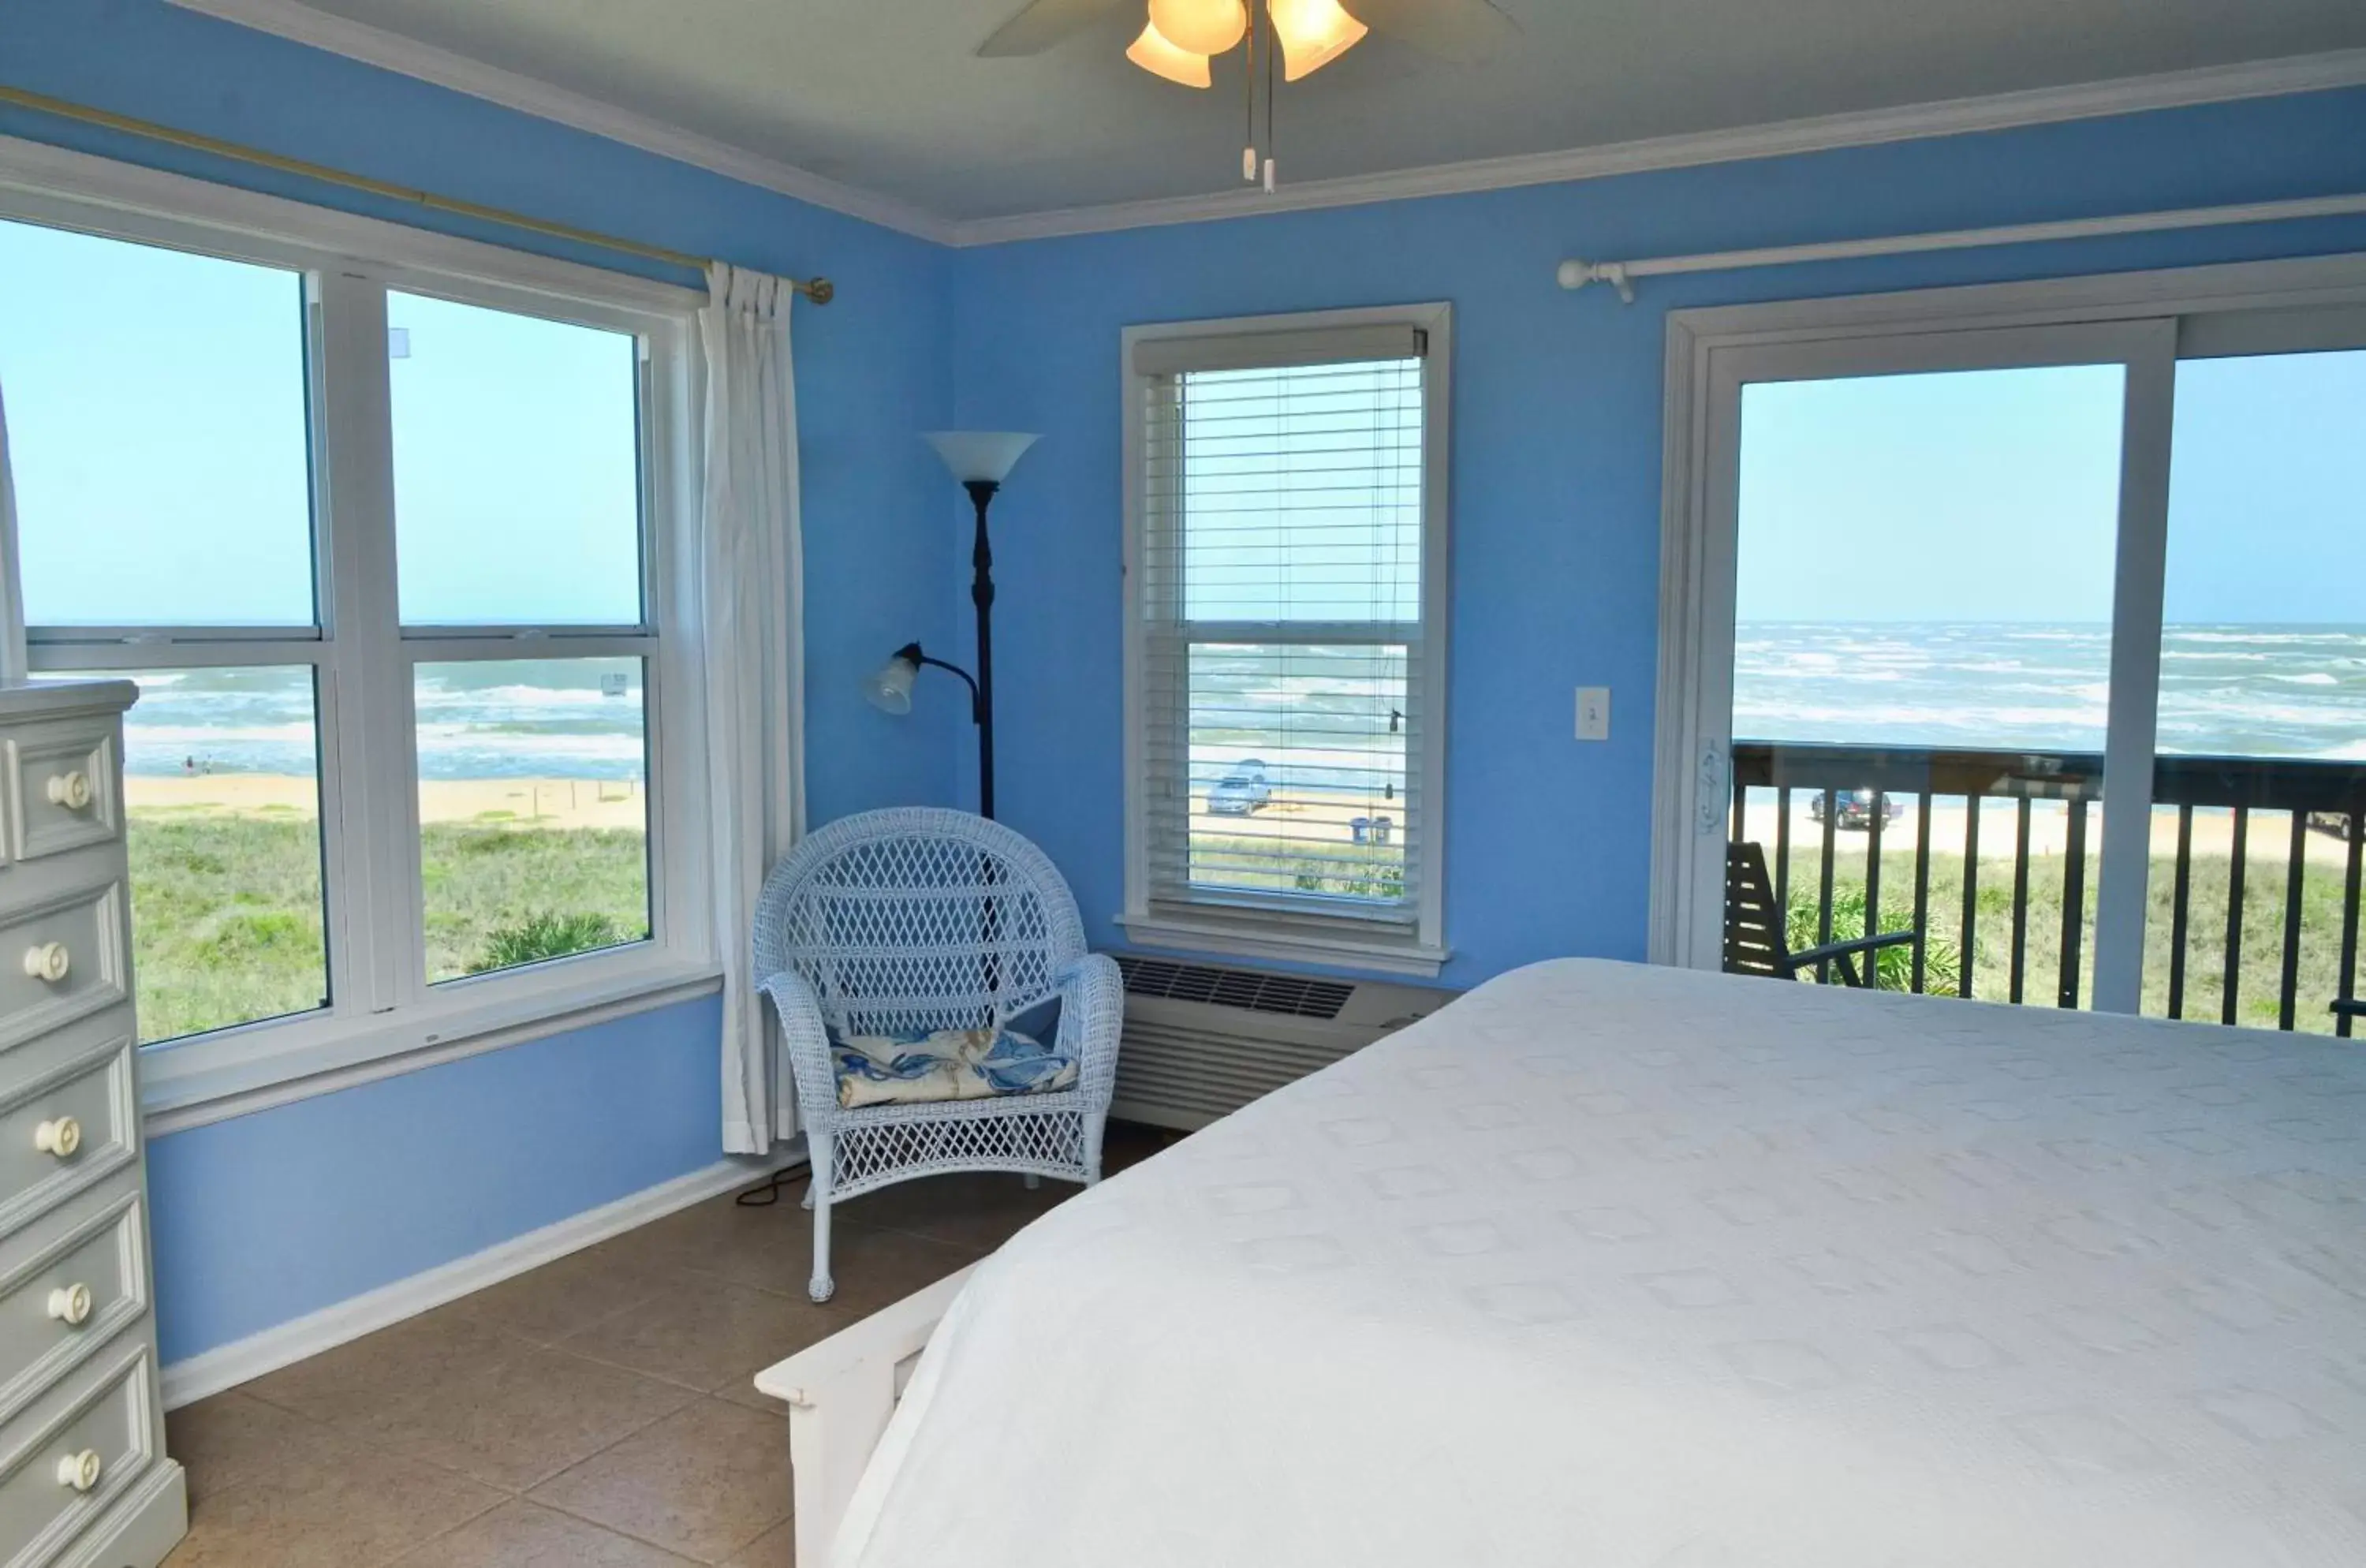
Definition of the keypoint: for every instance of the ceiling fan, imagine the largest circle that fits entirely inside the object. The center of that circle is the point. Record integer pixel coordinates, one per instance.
(1180, 37)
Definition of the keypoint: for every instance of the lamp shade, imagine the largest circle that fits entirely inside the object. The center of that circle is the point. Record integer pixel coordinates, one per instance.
(980, 455)
(889, 688)
(1313, 33)
(1160, 58)
(1202, 27)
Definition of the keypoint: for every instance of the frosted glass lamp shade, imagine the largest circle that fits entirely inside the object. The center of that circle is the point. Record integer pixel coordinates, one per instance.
(1202, 27)
(1313, 33)
(889, 689)
(1160, 58)
(980, 455)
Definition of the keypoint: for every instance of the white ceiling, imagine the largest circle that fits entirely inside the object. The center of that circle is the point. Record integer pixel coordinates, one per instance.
(884, 95)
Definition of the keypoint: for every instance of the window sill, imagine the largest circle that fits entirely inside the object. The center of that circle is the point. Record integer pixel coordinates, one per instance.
(235, 1072)
(1242, 938)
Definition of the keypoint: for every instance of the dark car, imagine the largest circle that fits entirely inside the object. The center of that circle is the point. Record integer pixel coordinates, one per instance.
(1241, 791)
(1854, 808)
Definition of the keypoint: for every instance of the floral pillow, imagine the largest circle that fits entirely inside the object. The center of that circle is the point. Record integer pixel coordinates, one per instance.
(915, 1067)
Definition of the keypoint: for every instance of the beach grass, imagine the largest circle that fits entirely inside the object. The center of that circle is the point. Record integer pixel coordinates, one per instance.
(2260, 973)
(225, 908)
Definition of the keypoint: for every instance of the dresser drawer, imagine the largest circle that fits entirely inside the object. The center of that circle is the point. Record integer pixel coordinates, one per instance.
(61, 787)
(64, 1131)
(67, 1284)
(99, 1427)
(59, 959)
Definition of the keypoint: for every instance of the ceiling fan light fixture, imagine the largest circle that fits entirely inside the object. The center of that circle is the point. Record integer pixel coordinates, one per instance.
(1313, 33)
(1200, 27)
(1157, 55)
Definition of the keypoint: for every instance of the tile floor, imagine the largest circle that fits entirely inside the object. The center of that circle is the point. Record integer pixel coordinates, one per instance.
(596, 1413)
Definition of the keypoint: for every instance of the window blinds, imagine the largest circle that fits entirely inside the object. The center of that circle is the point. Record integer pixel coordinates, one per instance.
(1280, 575)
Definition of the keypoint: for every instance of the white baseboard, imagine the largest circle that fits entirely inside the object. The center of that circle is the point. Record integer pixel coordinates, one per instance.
(226, 1366)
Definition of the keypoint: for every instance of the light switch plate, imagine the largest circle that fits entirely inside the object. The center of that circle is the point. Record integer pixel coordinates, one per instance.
(1593, 713)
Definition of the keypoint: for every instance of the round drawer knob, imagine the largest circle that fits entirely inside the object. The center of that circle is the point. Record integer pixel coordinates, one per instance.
(70, 790)
(80, 1471)
(71, 1306)
(48, 961)
(60, 1137)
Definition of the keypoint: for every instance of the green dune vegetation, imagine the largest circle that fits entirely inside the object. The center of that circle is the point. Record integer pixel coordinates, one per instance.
(226, 907)
(2259, 976)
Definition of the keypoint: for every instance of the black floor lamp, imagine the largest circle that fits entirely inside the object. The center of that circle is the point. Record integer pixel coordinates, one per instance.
(981, 460)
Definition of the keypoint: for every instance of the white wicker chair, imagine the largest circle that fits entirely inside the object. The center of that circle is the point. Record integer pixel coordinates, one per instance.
(924, 918)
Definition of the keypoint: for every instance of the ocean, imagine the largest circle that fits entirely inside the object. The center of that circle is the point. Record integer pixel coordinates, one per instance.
(573, 718)
(2264, 691)
(2277, 691)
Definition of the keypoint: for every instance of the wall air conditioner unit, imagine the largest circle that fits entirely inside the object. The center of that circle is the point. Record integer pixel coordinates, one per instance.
(1204, 1040)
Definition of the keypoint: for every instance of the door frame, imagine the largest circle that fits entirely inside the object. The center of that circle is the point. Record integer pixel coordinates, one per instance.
(2143, 318)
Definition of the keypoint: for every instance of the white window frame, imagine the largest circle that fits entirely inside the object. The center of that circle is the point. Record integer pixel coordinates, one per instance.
(383, 1017)
(2187, 312)
(1257, 927)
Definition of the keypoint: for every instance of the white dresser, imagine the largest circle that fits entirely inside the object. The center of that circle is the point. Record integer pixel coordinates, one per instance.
(83, 1480)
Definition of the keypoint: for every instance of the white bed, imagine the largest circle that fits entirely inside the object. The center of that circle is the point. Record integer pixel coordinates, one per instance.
(1606, 1265)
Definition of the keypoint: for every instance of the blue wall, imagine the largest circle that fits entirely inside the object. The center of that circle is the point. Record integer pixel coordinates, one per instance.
(269, 1217)
(1556, 436)
(265, 1217)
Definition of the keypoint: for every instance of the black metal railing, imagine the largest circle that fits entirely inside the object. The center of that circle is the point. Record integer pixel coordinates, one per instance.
(1860, 788)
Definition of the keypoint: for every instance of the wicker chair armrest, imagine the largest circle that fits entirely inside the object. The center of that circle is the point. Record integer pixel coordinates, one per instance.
(1092, 1011)
(804, 1039)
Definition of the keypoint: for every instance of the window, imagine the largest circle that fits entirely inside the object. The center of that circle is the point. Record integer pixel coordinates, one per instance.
(1286, 636)
(344, 525)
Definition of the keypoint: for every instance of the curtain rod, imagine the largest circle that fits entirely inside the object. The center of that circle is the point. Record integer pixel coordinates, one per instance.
(1622, 275)
(820, 290)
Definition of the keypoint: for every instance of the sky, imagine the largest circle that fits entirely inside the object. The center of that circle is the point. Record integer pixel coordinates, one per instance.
(158, 434)
(157, 415)
(1992, 495)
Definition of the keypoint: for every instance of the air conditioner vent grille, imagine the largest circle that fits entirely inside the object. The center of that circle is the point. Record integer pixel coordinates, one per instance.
(1248, 989)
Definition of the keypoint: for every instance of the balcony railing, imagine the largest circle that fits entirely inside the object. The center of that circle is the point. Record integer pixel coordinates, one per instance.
(2214, 912)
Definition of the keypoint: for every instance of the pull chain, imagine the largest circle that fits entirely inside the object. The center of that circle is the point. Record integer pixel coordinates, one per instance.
(1248, 105)
(1272, 48)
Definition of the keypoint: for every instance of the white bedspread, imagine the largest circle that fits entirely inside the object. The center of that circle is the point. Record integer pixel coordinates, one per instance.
(1605, 1265)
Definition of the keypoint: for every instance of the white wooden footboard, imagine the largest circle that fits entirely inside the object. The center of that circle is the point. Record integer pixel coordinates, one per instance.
(840, 1393)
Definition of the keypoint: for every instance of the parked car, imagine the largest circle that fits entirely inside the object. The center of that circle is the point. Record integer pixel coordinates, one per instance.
(1854, 808)
(1241, 791)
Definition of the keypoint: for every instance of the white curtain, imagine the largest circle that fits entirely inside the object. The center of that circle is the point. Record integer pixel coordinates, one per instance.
(12, 595)
(753, 586)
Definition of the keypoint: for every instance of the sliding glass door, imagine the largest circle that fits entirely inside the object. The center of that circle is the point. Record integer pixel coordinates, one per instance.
(2036, 655)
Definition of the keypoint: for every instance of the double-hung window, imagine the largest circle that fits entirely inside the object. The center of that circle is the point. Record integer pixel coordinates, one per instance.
(387, 549)
(1285, 583)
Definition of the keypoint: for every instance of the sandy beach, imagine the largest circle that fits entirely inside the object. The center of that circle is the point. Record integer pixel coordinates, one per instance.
(526, 803)
(2269, 844)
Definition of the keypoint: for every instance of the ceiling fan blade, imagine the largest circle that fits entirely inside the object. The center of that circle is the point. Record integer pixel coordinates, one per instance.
(1043, 24)
(1451, 29)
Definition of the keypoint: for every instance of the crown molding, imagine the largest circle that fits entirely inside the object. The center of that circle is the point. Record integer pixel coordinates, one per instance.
(304, 24)
(2001, 111)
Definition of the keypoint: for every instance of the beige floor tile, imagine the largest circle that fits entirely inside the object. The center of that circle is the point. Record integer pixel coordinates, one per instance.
(873, 1268)
(522, 1421)
(520, 1534)
(776, 1547)
(570, 1293)
(431, 1350)
(704, 1332)
(976, 1210)
(233, 1439)
(337, 1505)
(704, 1482)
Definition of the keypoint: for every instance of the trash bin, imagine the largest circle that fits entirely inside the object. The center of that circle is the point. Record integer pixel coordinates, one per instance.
(1381, 826)
(1359, 829)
